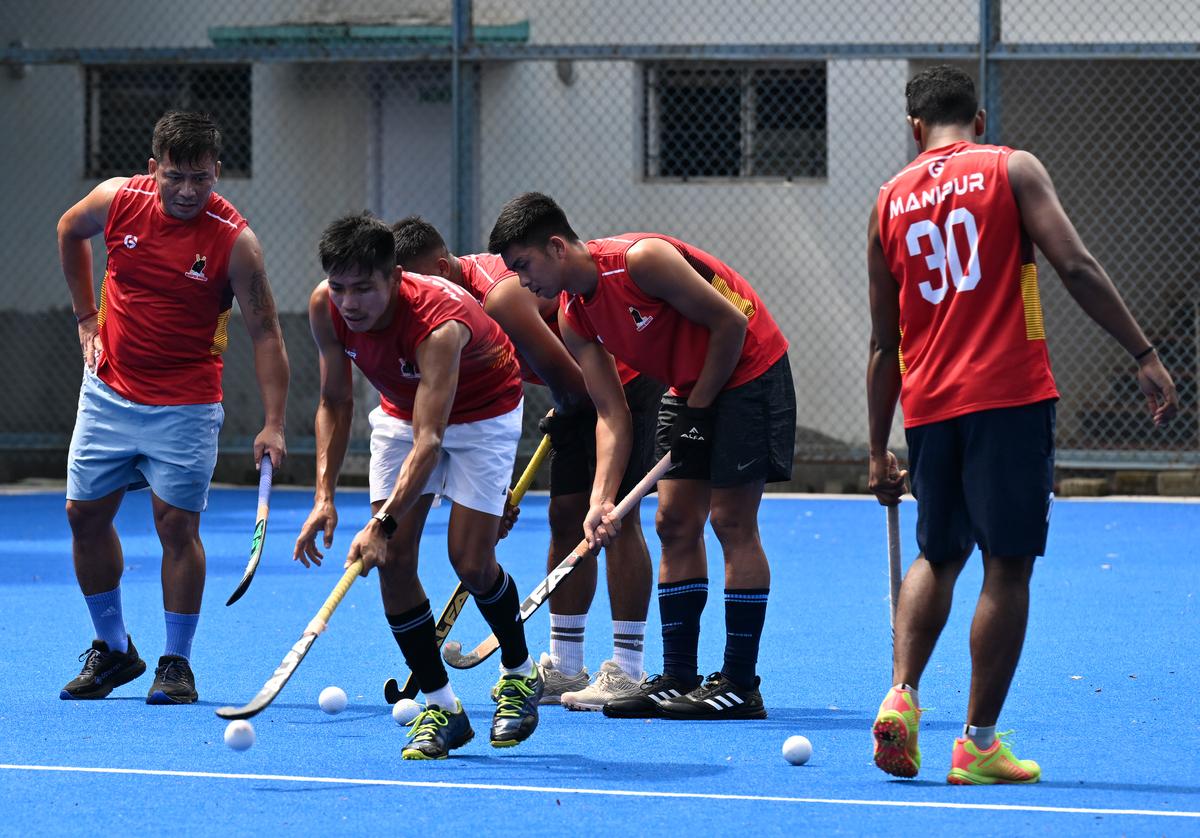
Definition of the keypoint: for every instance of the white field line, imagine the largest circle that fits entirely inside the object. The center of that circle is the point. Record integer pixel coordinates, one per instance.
(755, 798)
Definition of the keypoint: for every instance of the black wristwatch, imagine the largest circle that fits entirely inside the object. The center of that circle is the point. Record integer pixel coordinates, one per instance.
(387, 522)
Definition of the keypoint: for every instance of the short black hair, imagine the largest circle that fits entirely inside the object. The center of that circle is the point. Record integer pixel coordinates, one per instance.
(187, 137)
(416, 237)
(529, 219)
(942, 95)
(359, 243)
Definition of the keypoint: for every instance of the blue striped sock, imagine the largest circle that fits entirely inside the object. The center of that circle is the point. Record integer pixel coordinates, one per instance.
(745, 613)
(108, 619)
(181, 628)
(680, 605)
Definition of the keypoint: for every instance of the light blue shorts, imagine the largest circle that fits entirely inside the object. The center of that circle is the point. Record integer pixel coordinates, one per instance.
(119, 444)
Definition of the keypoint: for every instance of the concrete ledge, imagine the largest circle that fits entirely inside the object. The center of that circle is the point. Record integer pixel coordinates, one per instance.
(1179, 483)
(1088, 487)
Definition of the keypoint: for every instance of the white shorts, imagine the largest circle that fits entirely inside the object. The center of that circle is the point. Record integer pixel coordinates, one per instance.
(475, 467)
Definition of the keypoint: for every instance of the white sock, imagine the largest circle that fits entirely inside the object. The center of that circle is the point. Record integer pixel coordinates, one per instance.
(443, 698)
(524, 670)
(566, 642)
(911, 691)
(629, 639)
(983, 737)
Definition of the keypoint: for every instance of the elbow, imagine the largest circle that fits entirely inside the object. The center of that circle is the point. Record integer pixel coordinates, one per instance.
(1079, 273)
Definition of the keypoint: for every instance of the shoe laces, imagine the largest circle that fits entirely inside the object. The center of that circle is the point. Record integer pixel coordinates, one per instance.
(511, 693)
(425, 726)
(711, 684)
(91, 659)
(612, 679)
(173, 670)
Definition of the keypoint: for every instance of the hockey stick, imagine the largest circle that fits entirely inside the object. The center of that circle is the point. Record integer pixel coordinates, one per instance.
(392, 691)
(266, 471)
(296, 654)
(893, 542)
(453, 654)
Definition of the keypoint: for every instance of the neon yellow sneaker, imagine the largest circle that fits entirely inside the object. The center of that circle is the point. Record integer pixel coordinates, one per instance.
(973, 767)
(895, 730)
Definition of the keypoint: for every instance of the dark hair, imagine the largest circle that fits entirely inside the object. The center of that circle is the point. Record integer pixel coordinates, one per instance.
(529, 219)
(942, 95)
(187, 137)
(415, 237)
(360, 244)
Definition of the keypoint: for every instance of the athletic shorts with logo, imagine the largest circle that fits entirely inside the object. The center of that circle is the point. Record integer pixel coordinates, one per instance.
(984, 478)
(120, 444)
(573, 457)
(754, 432)
(474, 468)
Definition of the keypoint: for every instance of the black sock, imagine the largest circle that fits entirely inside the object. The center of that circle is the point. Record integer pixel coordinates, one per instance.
(745, 613)
(501, 607)
(413, 631)
(679, 606)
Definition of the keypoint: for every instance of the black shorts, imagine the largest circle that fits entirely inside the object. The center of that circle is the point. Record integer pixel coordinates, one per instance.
(754, 433)
(985, 478)
(573, 465)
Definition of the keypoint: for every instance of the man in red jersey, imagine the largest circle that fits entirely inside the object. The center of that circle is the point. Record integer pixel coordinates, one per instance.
(448, 425)
(954, 297)
(679, 315)
(532, 324)
(150, 404)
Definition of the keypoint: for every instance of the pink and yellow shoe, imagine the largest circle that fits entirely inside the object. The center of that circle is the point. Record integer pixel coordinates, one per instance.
(895, 730)
(973, 767)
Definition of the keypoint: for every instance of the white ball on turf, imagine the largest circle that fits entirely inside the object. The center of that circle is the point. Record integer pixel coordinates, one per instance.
(239, 734)
(797, 750)
(405, 710)
(332, 700)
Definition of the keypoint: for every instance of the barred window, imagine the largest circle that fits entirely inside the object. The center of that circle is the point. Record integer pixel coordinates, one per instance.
(735, 121)
(124, 102)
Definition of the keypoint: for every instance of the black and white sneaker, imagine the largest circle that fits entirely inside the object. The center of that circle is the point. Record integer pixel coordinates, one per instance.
(717, 698)
(174, 682)
(103, 671)
(652, 692)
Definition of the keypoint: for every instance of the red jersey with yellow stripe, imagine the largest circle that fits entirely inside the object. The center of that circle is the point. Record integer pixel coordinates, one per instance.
(971, 331)
(654, 338)
(482, 272)
(166, 297)
(489, 382)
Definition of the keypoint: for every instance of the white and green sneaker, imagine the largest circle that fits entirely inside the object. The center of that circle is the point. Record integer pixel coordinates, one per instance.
(557, 682)
(611, 683)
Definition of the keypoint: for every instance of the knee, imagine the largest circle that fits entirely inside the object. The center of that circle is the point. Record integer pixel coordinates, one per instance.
(676, 526)
(177, 527)
(84, 519)
(400, 571)
(734, 530)
(476, 572)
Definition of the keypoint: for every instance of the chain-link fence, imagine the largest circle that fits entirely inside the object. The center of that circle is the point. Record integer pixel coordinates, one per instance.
(759, 132)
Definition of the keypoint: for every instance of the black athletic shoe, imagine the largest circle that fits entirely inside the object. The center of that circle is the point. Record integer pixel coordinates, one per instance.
(653, 692)
(717, 698)
(516, 716)
(174, 682)
(435, 732)
(103, 671)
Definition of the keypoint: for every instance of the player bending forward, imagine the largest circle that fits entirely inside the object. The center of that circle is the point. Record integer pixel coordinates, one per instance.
(678, 315)
(957, 335)
(532, 324)
(448, 424)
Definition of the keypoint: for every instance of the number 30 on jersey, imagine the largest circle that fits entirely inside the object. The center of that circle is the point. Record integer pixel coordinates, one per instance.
(943, 256)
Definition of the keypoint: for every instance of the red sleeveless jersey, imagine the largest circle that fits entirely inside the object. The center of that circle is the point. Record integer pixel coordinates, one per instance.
(482, 272)
(654, 338)
(165, 299)
(489, 382)
(971, 330)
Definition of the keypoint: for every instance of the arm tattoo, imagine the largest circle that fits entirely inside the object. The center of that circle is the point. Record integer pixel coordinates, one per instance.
(261, 300)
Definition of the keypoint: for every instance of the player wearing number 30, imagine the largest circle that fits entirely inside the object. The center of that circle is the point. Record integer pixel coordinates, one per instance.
(448, 425)
(957, 336)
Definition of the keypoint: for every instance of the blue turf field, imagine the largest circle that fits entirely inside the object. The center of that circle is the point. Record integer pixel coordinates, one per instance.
(1104, 698)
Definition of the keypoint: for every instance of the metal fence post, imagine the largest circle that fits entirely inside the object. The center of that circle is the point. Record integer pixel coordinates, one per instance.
(462, 87)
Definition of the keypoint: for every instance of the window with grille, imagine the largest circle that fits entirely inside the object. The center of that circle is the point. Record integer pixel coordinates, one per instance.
(735, 121)
(123, 103)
